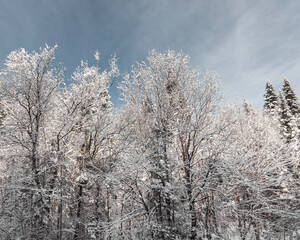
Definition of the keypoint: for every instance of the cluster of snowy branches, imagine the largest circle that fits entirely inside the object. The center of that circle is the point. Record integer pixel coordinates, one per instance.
(174, 163)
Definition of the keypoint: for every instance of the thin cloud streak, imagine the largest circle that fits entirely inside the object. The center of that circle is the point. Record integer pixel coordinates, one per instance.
(246, 42)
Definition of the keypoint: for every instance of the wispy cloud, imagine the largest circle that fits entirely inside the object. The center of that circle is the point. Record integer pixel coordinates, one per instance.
(246, 42)
(262, 43)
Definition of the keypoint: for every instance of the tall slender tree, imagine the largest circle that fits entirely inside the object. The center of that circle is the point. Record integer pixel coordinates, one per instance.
(293, 102)
(270, 98)
(28, 89)
(288, 122)
(291, 98)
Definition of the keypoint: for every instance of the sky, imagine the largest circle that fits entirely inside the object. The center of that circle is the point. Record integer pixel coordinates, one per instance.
(245, 42)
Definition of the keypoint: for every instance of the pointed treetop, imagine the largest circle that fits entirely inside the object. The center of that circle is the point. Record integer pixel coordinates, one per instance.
(248, 108)
(291, 98)
(270, 97)
(288, 122)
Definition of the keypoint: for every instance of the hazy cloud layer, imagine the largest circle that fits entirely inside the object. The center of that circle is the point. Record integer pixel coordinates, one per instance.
(246, 42)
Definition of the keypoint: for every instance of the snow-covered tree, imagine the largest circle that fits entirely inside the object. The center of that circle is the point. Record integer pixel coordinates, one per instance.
(28, 86)
(92, 144)
(271, 99)
(291, 98)
(82, 134)
(260, 180)
(174, 163)
(248, 108)
(178, 134)
(293, 102)
(62, 141)
(288, 121)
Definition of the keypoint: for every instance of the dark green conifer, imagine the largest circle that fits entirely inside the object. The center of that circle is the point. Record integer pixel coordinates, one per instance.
(291, 98)
(287, 120)
(271, 99)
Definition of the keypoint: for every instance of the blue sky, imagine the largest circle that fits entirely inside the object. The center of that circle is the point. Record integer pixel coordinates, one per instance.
(245, 42)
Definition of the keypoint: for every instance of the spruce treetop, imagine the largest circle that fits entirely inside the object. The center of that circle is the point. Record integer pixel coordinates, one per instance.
(291, 98)
(287, 119)
(248, 108)
(270, 98)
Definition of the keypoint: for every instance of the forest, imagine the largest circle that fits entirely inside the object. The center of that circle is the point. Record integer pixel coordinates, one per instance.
(175, 161)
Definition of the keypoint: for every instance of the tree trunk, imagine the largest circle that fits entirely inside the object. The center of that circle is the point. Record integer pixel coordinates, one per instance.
(79, 228)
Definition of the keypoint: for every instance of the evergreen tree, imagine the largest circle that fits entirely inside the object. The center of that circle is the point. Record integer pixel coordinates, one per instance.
(271, 99)
(248, 108)
(291, 98)
(292, 102)
(287, 119)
